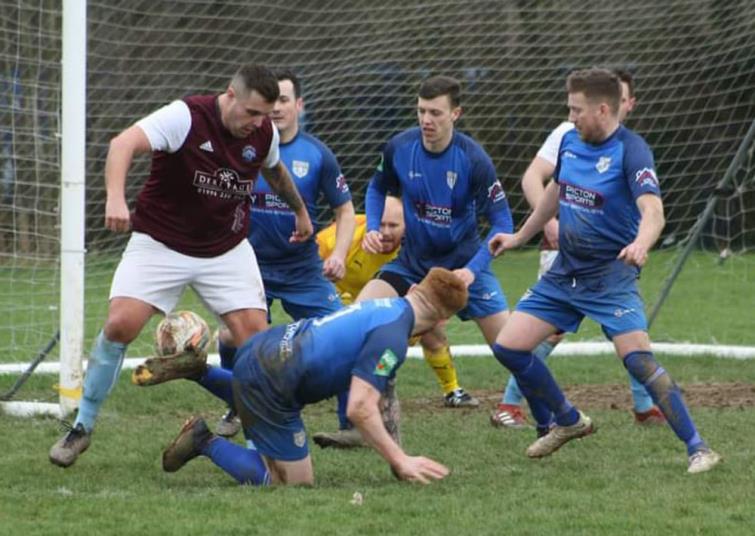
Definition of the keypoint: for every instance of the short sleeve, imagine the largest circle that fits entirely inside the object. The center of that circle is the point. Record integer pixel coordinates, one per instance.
(383, 352)
(273, 155)
(167, 128)
(549, 149)
(639, 167)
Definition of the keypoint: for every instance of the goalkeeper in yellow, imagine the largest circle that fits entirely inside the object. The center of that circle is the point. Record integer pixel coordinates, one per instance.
(361, 267)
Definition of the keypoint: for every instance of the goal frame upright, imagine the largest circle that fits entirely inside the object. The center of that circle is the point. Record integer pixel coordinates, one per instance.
(72, 203)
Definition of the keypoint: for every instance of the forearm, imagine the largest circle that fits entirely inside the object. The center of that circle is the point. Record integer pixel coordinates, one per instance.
(374, 205)
(117, 164)
(501, 221)
(370, 424)
(534, 179)
(651, 223)
(546, 209)
(345, 225)
(281, 183)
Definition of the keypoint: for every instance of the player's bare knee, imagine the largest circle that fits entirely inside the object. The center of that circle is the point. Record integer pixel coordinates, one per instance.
(120, 328)
(225, 336)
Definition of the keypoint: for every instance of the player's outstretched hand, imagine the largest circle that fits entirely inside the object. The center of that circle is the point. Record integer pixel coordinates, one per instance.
(117, 217)
(373, 242)
(304, 229)
(635, 254)
(420, 469)
(502, 242)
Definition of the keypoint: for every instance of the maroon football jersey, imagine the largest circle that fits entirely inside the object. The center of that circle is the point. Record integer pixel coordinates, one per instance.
(196, 200)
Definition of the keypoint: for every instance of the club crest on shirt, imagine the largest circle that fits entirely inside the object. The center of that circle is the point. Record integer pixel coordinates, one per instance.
(646, 177)
(300, 438)
(300, 168)
(451, 177)
(386, 364)
(604, 162)
(248, 153)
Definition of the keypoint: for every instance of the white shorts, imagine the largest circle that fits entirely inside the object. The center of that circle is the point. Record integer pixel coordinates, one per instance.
(547, 256)
(153, 273)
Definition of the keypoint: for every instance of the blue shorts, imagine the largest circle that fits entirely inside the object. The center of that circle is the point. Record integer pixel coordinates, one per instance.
(485, 295)
(304, 292)
(611, 299)
(270, 415)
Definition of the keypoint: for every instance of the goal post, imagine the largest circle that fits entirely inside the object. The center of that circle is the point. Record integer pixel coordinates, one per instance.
(72, 204)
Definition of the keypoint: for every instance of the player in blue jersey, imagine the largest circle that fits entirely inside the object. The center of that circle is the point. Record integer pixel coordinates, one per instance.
(293, 272)
(287, 367)
(446, 181)
(607, 198)
(508, 413)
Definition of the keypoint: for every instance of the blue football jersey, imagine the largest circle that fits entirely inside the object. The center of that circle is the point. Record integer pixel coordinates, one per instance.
(314, 170)
(314, 359)
(599, 185)
(443, 194)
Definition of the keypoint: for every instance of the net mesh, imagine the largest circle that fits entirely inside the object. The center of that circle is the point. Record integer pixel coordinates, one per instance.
(693, 62)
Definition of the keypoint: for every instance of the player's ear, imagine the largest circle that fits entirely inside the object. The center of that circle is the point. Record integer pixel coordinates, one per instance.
(299, 105)
(456, 113)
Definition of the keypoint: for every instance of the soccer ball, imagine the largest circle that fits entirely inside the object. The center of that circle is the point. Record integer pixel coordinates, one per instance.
(181, 331)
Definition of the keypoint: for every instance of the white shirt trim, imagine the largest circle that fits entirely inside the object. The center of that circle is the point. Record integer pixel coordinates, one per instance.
(549, 149)
(167, 127)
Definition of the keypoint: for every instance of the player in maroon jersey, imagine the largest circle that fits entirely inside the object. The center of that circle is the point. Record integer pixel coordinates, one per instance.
(189, 224)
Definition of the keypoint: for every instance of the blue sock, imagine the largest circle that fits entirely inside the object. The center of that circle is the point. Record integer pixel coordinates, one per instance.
(343, 402)
(642, 400)
(538, 386)
(666, 395)
(243, 464)
(227, 355)
(512, 394)
(103, 369)
(217, 380)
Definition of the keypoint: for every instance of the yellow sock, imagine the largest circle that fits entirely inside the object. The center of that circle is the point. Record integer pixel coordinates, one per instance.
(443, 366)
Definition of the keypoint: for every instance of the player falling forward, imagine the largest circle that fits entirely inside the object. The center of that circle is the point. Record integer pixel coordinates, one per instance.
(361, 266)
(285, 368)
(607, 197)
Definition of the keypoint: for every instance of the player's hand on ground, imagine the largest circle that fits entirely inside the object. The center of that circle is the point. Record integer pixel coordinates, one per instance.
(466, 275)
(551, 233)
(373, 242)
(304, 229)
(334, 268)
(502, 242)
(117, 217)
(419, 469)
(635, 254)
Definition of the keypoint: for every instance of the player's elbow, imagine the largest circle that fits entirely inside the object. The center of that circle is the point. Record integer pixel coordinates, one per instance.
(359, 410)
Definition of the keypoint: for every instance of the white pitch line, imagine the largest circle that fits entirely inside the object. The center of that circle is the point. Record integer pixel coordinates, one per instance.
(482, 350)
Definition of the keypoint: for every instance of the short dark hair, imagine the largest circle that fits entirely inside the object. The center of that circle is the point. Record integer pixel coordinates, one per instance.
(288, 74)
(596, 84)
(626, 77)
(437, 86)
(254, 77)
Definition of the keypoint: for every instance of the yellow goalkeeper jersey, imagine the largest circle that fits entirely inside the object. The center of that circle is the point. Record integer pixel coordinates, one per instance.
(360, 265)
